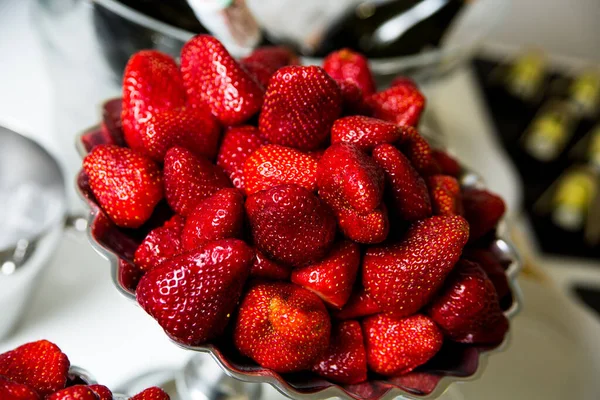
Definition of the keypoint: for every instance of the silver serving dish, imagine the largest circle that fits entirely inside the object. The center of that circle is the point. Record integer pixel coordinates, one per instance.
(453, 363)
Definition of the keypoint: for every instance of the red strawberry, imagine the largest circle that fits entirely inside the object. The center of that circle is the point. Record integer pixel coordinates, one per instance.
(359, 305)
(213, 78)
(403, 81)
(127, 185)
(333, 277)
(40, 365)
(274, 165)
(364, 132)
(220, 216)
(346, 64)
(492, 267)
(193, 295)
(190, 179)
(10, 390)
(129, 274)
(282, 327)
(151, 83)
(102, 392)
(408, 189)
(316, 154)
(290, 224)
(364, 228)
(152, 393)
(272, 57)
(483, 210)
(258, 72)
(403, 277)
(401, 104)
(347, 176)
(269, 269)
(418, 151)
(300, 106)
(446, 163)
(345, 361)
(396, 346)
(160, 244)
(77, 392)
(238, 143)
(353, 101)
(467, 307)
(446, 198)
(192, 128)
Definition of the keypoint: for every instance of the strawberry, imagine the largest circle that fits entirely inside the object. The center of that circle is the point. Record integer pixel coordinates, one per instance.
(467, 308)
(290, 224)
(160, 244)
(364, 132)
(258, 72)
(347, 176)
(10, 390)
(418, 151)
(401, 104)
(352, 98)
(282, 327)
(274, 165)
(40, 365)
(126, 184)
(333, 277)
(446, 163)
(346, 64)
(269, 269)
(345, 361)
(272, 57)
(220, 216)
(364, 228)
(492, 267)
(403, 81)
(102, 392)
(316, 154)
(129, 274)
(422, 382)
(403, 277)
(192, 128)
(483, 210)
(396, 346)
(360, 304)
(190, 179)
(151, 83)
(300, 106)
(237, 145)
(152, 393)
(213, 78)
(445, 194)
(408, 189)
(193, 295)
(77, 392)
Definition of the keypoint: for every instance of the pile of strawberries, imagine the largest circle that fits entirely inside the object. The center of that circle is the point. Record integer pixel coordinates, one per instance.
(311, 223)
(40, 371)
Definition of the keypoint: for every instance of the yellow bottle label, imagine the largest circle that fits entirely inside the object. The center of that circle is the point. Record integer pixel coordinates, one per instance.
(576, 190)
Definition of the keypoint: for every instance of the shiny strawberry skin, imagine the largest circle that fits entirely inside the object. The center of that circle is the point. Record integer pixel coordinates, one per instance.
(370, 228)
(274, 165)
(102, 392)
(488, 261)
(418, 151)
(213, 78)
(129, 274)
(483, 210)
(268, 269)
(348, 177)
(152, 393)
(345, 361)
(300, 107)
(272, 57)
(396, 346)
(353, 101)
(190, 179)
(446, 163)
(258, 72)
(445, 194)
(237, 145)
(366, 133)
(192, 128)
(282, 327)
(160, 244)
(407, 187)
(346, 64)
(467, 308)
(193, 295)
(401, 104)
(77, 392)
(290, 224)
(10, 390)
(151, 83)
(360, 304)
(333, 277)
(126, 184)
(403, 277)
(220, 216)
(40, 365)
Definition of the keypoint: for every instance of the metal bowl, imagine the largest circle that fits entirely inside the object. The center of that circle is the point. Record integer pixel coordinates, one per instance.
(454, 362)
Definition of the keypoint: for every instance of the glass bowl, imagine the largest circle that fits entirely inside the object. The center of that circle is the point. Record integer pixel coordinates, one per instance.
(455, 362)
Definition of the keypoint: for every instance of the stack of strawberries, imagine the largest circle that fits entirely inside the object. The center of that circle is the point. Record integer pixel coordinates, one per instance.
(40, 371)
(311, 225)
